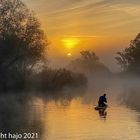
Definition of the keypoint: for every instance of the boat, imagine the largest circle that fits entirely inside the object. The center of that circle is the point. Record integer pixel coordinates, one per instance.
(100, 108)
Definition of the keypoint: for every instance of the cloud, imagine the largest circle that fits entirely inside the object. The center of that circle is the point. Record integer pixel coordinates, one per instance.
(81, 36)
(88, 16)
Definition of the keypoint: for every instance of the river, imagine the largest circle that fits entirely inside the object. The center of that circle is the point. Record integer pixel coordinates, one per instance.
(68, 120)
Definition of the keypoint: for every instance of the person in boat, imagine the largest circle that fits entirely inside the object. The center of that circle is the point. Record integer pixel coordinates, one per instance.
(102, 101)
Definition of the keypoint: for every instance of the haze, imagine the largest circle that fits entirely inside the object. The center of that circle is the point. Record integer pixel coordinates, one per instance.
(104, 26)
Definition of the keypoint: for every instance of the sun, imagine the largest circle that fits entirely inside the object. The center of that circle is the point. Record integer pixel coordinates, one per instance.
(69, 54)
(70, 43)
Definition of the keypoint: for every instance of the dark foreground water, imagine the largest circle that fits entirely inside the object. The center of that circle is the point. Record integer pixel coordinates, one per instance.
(64, 120)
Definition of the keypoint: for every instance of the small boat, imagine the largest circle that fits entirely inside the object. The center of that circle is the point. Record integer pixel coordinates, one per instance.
(100, 108)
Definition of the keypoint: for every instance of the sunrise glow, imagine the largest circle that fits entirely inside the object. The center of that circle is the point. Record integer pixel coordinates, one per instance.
(70, 43)
(69, 54)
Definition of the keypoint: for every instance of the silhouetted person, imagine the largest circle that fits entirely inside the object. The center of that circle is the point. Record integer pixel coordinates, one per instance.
(102, 101)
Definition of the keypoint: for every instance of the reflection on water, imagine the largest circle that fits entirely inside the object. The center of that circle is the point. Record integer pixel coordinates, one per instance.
(18, 115)
(102, 113)
(75, 120)
(80, 121)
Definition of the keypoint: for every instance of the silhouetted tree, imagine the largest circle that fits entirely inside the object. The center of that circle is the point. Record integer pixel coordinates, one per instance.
(129, 58)
(22, 42)
(58, 79)
(88, 63)
(89, 56)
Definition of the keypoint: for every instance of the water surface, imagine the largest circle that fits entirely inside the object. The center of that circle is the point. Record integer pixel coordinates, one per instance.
(64, 120)
(79, 121)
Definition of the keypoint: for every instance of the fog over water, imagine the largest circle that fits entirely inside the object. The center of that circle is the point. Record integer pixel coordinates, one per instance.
(71, 115)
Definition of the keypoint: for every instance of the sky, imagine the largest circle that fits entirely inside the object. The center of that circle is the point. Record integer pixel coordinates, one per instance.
(102, 26)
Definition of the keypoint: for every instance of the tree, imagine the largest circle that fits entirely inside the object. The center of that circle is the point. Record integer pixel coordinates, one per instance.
(89, 56)
(129, 58)
(89, 64)
(22, 42)
(58, 79)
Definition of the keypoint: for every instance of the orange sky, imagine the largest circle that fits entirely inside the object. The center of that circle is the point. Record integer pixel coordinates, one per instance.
(104, 26)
